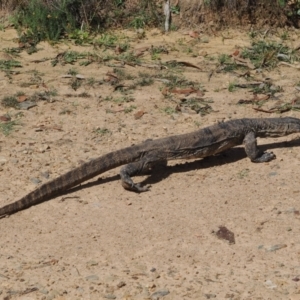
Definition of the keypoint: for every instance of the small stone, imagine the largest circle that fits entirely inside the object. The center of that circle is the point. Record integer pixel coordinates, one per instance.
(121, 284)
(45, 174)
(152, 270)
(52, 295)
(276, 247)
(110, 296)
(92, 263)
(27, 104)
(92, 278)
(35, 180)
(3, 160)
(43, 148)
(210, 296)
(160, 293)
(272, 173)
(44, 291)
(270, 285)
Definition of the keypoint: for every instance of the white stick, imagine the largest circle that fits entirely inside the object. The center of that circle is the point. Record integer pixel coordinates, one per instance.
(167, 14)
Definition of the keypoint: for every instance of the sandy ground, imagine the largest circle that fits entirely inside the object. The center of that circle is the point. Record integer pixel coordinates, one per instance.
(103, 242)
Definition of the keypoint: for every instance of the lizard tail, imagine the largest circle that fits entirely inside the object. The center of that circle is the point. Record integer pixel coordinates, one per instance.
(72, 178)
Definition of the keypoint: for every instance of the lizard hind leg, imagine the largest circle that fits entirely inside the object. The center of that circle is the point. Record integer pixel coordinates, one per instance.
(253, 152)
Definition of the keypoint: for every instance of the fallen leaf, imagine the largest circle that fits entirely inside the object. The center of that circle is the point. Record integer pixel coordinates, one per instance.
(5, 118)
(139, 114)
(236, 53)
(183, 91)
(22, 98)
(110, 74)
(193, 34)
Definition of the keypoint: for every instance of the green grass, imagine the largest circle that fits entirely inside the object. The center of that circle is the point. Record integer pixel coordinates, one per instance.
(7, 127)
(10, 101)
(268, 54)
(101, 131)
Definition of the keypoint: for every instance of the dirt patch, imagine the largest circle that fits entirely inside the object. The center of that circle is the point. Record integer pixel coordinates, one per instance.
(102, 242)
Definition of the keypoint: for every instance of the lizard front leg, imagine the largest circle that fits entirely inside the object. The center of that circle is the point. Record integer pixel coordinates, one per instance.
(130, 170)
(253, 152)
(136, 168)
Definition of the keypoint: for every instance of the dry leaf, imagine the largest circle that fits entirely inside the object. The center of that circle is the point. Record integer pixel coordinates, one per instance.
(22, 98)
(183, 91)
(139, 114)
(193, 34)
(5, 118)
(236, 53)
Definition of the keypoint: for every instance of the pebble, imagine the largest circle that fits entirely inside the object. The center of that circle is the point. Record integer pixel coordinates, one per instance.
(272, 173)
(276, 247)
(35, 180)
(210, 296)
(52, 295)
(121, 284)
(160, 293)
(92, 263)
(3, 160)
(43, 148)
(26, 105)
(109, 296)
(270, 285)
(44, 291)
(92, 278)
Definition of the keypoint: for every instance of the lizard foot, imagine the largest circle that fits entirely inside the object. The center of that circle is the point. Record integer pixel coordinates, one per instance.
(136, 187)
(265, 157)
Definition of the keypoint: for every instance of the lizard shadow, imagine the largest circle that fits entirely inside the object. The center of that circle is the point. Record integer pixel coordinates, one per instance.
(161, 172)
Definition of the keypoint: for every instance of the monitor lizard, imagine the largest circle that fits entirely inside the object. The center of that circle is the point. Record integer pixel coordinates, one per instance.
(137, 158)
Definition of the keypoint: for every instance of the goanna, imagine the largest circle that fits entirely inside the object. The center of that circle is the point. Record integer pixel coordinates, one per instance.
(138, 158)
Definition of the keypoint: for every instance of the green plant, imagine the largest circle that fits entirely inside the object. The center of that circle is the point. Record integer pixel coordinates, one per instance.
(107, 40)
(144, 81)
(7, 127)
(68, 57)
(9, 64)
(101, 131)
(169, 110)
(232, 87)
(138, 22)
(45, 22)
(223, 58)
(268, 53)
(175, 9)
(129, 109)
(10, 101)
(75, 83)
(122, 74)
(73, 72)
(80, 37)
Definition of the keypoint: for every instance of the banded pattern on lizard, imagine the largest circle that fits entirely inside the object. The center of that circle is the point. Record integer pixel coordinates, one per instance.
(137, 158)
